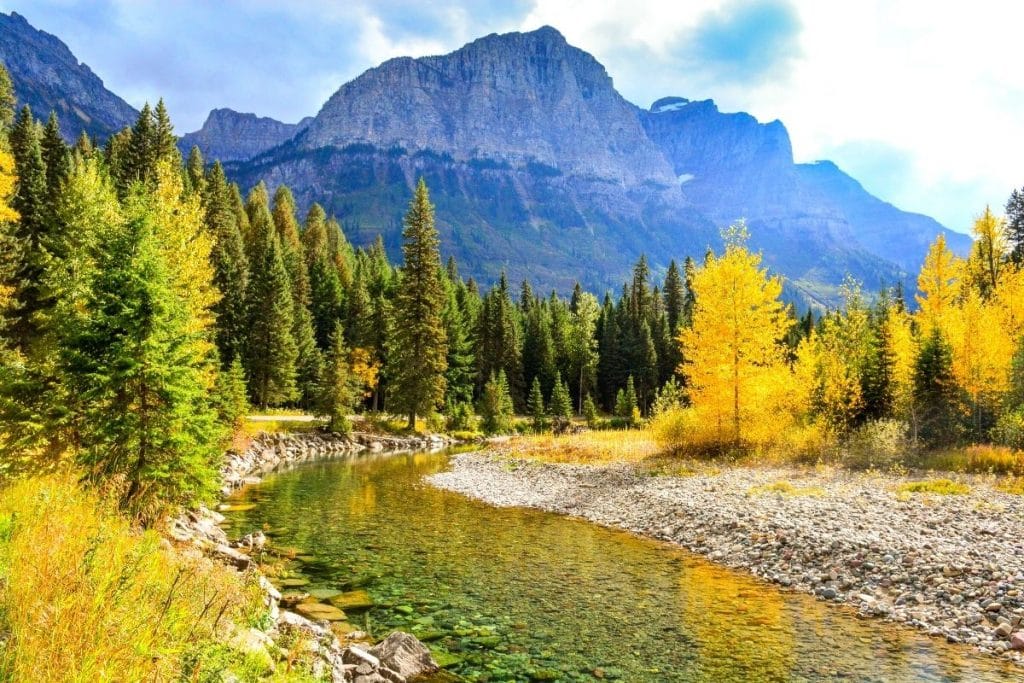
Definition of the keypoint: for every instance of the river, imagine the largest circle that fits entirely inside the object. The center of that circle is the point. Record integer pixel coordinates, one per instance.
(521, 595)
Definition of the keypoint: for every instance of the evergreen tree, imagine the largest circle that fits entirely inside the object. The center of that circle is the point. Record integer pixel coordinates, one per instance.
(417, 354)
(935, 414)
(876, 374)
(147, 416)
(625, 402)
(538, 347)
(230, 264)
(561, 402)
(8, 101)
(164, 142)
(590, 411)
(271, 351)
(57, 162)
(496, 408)
(338, 395)
(497, 338)
(139, 155)
(690, 297)
(31, 233)
(195, 171)
(460, 361)
(230, 395)
(675, 297)
(1015, 226)
(535, 406)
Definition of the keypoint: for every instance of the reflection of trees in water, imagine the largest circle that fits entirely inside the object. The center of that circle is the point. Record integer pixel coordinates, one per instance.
(740, 627)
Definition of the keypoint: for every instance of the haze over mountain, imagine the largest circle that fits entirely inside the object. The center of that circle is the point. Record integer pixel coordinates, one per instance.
(539, 167)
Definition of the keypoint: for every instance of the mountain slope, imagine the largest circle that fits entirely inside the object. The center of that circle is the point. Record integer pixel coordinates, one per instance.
(48, 77)
(537, 165)
(232, 136)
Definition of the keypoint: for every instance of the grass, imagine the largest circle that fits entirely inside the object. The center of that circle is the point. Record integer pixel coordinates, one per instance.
(979, 459)
(1014, 485)
(85, 597)
(941, 487)
(785, 488)
(586, 448)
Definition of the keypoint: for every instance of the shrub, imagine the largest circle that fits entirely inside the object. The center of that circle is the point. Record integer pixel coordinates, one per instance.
(876, 444)
(460, 417)
(1009, 430)
(942, 487)
(83, 596)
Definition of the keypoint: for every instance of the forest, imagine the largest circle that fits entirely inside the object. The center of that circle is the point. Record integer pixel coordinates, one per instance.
(147, 303)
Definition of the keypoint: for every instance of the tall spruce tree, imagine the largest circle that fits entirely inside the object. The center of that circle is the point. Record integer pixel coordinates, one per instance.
(1015, 226)
(675, 297)
(270, 349)
(496, 408)
(337, 390)
(535, 406)
(561, 402)
(935, 414)
(231, 266)
(418, 349)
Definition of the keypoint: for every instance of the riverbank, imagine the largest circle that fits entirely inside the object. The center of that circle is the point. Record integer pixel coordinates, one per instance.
(950, 565)
(298, 638)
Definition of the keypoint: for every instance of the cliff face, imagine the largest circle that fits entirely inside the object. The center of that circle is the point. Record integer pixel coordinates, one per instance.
(228, 135)
(47, 77)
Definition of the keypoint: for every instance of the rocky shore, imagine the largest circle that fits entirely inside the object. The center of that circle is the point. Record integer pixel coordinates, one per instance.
(951, 565)
(396, 659)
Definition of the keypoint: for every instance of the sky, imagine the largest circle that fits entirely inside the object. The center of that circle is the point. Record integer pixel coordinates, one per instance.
(923, 102)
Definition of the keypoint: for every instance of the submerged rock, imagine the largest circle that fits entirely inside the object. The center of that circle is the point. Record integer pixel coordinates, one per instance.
(405, 655)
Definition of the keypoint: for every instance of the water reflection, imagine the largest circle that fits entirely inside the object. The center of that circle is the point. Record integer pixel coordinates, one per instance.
(520, 595)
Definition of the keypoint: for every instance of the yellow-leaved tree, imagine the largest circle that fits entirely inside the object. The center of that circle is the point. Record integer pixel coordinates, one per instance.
(937, 282)
(740, 384)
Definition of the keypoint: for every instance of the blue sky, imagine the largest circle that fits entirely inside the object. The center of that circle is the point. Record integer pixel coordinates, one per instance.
(922, 105)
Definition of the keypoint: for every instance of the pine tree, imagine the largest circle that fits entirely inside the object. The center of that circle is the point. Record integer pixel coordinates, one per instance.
(271, 351)
(195, 170)
(338, 394)
(675, 297)
(561, 403)
(8, 101)
(230, 264)
(538, 347)
(459, 373)
(535, 406)
(139, 155)
(147, 417)
(417, 354)
(625, 402)
(935, 414)
(496, 408)
(1015, 226)
(230, 395)
(57, 162)
(590, 411)
(32, 231)
(164, 141)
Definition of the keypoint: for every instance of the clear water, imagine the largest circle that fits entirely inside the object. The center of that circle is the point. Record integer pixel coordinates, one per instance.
(522, 595)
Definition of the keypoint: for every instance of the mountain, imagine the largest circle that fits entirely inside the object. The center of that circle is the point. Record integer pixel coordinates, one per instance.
(539, 167)
(536, 164)
(47, 77)
(730, 166)
(232, 136)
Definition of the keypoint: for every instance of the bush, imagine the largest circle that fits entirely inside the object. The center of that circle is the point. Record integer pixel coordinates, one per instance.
(942, 487)
(877, 444)
(83, 596)
(1009, 430)
(460, 417)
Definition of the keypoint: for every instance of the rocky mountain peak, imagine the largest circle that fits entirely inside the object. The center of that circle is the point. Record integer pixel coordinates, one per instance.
(229, 135)
(48, 77)
(516, 98)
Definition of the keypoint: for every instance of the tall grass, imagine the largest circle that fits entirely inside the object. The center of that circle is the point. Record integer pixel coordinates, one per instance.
(85, 597)
(629, 445)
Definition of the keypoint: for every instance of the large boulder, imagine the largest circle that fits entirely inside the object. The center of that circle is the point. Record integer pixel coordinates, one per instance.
(403, 654)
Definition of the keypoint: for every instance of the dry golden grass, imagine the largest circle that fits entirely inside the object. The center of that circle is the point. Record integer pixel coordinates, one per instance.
(592, 447)
(84, 597)
(1014, 485)
(978, 459)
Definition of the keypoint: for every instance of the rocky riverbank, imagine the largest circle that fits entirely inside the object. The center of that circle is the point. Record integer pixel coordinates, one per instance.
(951, 565)
(396, 659)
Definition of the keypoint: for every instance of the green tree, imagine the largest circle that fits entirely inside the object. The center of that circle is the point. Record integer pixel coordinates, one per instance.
(1015, 226)
(230, 264)
(271, 351)
(935, 413)
(8, 101)
(535, 406)
(57, 162)
(338, 393)
(417, 354)
(230, 395)
(147, 418)
(625, 402)
(561, 402)
(674, 293)
(496, 408)
(582, 345)
(590, 411)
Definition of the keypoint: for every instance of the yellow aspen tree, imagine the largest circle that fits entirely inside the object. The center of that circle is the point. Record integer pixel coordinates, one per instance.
(1008, 300)
(902, 347)
(982, 352)
(989, 251)
(735, 362)
(938, 284)
(8, 181)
